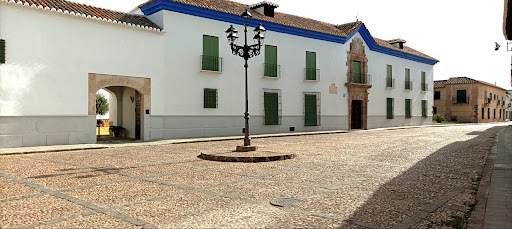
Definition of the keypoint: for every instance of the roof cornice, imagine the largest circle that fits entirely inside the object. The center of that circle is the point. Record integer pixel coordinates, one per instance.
(26, 5)
(169, 5)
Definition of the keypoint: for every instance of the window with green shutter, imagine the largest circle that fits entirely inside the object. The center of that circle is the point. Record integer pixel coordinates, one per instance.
(424, 108)
(271, 105)
(423, 84)
(210, 57)
(407, 79)
(389, 76)
(310, 66)
(271, 68)
(210, 98)
(407, 108)
(2, 51)
(389, 108)
(310, 110)
(356, 72)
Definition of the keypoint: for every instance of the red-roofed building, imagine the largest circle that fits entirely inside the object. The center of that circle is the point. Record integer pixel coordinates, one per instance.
(171, 73)
(470, 100)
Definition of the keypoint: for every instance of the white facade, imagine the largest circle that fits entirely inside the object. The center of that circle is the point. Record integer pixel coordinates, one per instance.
(45, 81)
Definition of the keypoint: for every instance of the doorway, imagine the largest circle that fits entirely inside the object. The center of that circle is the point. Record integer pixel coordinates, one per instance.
(356, 114)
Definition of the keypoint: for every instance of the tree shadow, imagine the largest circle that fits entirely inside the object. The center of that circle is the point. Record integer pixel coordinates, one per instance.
(444, 183)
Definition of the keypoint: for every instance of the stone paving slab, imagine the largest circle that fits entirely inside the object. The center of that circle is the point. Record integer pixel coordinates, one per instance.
(343, 180)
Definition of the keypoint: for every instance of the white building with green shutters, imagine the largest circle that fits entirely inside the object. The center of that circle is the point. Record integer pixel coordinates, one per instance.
(171, 74)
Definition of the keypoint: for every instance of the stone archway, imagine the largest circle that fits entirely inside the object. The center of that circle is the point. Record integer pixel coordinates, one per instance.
(139, 84)
(357, 90)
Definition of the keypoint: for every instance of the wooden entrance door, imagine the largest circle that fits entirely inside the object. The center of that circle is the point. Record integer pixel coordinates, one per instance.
(137, 114)
(356, 115)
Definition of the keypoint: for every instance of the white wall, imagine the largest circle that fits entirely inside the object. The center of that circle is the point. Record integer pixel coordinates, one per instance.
(49, 56)
(129, 113)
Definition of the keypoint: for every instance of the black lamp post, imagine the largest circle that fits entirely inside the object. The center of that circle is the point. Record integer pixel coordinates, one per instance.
(246, 52)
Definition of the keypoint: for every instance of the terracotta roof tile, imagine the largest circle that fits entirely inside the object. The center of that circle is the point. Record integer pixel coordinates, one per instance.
(344, 30)
(460, 80)
(440, 83)
(92, 12)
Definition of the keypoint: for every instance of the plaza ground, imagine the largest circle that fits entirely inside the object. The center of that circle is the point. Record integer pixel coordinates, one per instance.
(419, 177)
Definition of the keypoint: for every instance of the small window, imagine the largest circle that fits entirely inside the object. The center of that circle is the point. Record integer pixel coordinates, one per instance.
(424, 108)
(210, 60)
(494, 113)
(311, 109)
(389, 108)
(311, 66)
(483, 113)
(461, 96)
(437, 95)
(488, 113)
(210, 98)
(271, 67)
(389, 76)
(407, 108)
(407, 79)
(2, 51)
(271, 100)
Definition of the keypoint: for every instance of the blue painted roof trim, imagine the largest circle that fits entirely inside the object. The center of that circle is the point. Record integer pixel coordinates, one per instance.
(159, 5)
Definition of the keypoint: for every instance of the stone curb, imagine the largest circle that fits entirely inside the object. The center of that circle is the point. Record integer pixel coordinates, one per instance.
(245, 159)
(47, 149)
(476, 220)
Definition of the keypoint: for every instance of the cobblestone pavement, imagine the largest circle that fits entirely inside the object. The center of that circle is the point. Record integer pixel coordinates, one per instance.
(423, 177)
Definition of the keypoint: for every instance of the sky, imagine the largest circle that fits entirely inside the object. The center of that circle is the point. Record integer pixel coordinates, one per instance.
(459, 33)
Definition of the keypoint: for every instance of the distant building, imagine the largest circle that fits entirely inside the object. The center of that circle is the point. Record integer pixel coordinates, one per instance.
(470, 100)
(508, 105)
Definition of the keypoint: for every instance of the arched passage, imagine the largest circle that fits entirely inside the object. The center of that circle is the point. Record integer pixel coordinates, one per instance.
(133, 96)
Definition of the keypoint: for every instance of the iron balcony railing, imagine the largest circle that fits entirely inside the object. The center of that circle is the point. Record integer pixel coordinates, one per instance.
(312, 74)
(424, 87)
(466, 99)
(358, 78)
(408, 85)
(212, 63)
(272, 70)
(390, 82)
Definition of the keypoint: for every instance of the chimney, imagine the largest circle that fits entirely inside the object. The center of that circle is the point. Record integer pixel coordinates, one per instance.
(265, 8)
(399, 43)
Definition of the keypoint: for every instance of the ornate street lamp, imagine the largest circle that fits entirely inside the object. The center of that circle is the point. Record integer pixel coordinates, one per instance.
(246, 52)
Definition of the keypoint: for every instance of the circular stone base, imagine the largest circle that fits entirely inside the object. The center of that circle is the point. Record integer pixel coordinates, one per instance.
(245, 148)
(252, 156)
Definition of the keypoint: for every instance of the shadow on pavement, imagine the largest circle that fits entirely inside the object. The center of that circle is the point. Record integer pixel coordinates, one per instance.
(437, 191)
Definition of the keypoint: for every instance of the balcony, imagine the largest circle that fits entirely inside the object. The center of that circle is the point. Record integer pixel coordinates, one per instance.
(211, 63)
(408, 85)
(390, 83)
(462, 100)
(272, 70)
(358, 78)
(424, 87)
(311, 74)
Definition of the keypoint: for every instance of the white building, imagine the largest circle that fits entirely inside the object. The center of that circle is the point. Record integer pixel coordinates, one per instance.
(169, 59)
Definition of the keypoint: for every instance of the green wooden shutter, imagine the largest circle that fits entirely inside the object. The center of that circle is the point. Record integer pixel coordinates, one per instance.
(389, 76)
(407, 108)
(424, 108)
(210, 98)
(407, 79)
(310, 66)
(2, 51)
(389, 108)
(356, 72)
(311, 115)
(423, 85)
(270, 61)
(271, 104)
(210, 53)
